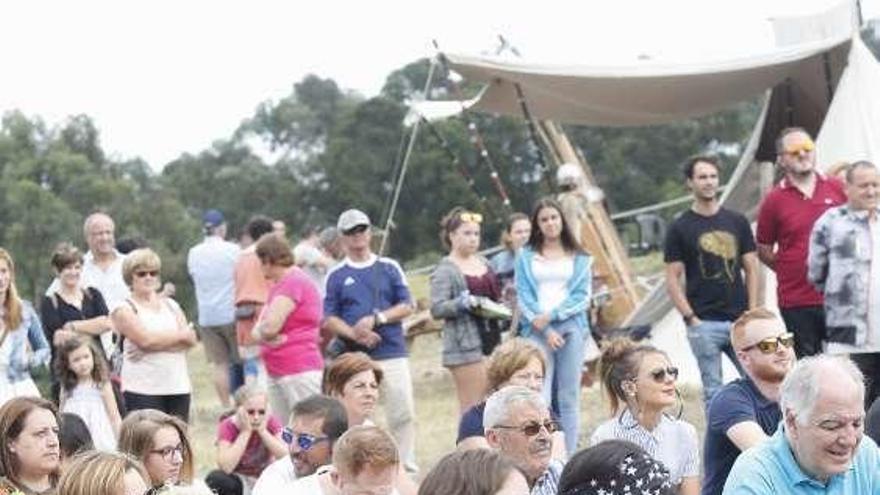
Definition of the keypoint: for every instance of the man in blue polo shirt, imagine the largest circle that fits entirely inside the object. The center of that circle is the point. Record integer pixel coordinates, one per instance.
(820, 447)
(746, 411)
(366, 299)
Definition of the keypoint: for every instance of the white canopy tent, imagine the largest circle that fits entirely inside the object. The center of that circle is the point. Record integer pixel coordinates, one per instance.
(828, 86)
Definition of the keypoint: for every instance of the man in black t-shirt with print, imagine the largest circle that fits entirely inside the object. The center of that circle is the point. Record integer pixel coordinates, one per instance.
(712, 247)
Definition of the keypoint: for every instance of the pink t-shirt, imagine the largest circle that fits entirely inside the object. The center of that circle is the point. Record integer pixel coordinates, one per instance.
(256, 456)
(299, 352)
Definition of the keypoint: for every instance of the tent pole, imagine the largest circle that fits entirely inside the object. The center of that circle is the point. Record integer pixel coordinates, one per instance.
(412, 141)
(826, 65)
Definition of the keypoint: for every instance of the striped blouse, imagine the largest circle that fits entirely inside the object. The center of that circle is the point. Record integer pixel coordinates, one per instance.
(673, 442)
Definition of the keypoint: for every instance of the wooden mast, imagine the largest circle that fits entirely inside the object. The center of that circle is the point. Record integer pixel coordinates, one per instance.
(598, 235)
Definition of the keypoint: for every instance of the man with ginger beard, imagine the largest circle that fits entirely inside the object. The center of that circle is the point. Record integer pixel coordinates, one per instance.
(518, 424)
(315, 425)
(746, 411)
(820, 446)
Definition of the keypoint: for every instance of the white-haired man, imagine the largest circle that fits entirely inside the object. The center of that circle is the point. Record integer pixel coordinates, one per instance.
(820, 446)
(518, 424)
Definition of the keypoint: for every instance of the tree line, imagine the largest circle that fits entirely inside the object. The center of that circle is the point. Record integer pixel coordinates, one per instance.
(306, 157)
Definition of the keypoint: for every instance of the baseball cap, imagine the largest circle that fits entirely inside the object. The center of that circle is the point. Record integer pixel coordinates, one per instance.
(350, 219)
(212, 218)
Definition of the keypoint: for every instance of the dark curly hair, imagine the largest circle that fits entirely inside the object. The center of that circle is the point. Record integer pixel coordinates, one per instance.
(66, 376)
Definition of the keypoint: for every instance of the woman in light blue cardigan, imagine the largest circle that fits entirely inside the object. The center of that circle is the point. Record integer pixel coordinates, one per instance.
(23, 346)
(553, 285)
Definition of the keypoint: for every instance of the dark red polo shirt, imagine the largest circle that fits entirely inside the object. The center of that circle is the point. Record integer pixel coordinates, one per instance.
(786, 218)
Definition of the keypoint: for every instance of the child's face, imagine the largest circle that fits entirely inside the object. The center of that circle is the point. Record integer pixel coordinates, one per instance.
(81, 362)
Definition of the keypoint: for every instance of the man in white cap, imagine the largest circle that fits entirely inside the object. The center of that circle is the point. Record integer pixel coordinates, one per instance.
(211, 265)
(366, 299)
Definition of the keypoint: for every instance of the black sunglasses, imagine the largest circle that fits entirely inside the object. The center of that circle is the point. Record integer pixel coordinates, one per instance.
(532, 428)
(771, 344)
(659, 375)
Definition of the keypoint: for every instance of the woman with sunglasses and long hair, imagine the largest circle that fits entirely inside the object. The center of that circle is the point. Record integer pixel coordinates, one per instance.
(20, 330)
(248, 441)
(459, 279)
(640, 383)
(156, 337)
(553, 282)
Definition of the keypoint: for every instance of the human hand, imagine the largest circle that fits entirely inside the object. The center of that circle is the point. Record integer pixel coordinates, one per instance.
(541, 321)
(554, 339)
(62, 335)
(465, 301)
(245, 425)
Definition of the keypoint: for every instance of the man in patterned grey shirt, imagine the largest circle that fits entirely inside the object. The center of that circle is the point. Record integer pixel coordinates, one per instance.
(844, 264)
(518, 424)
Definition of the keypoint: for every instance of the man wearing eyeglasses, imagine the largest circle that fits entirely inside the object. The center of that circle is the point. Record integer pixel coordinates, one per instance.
(820, 446)
(366, 299)
(844, 263)
(518, 424)
(745, 412)
(785, 219)
(315, 425)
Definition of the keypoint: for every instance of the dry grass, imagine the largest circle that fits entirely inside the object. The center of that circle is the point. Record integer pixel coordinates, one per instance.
(436, 404)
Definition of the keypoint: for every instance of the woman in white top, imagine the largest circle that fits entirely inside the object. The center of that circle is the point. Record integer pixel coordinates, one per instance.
(640, 383)
(156, 337)
(553, 294)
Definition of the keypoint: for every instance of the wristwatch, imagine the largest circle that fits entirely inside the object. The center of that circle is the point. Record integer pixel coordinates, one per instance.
(687, 318)
(381, 318)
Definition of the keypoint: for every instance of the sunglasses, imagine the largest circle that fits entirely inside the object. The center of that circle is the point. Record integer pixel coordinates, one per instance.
(659, 375)
(359, 229)
(470, 217)
(303, 440)
(255, 412)
(144, 273)
(533, 428)
(807, 146)
(771, 344)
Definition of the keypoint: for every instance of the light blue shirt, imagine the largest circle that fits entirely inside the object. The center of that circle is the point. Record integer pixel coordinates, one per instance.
(771, 468)
(211, 265)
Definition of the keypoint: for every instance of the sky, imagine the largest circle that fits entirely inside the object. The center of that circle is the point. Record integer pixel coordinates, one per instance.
(165, 77)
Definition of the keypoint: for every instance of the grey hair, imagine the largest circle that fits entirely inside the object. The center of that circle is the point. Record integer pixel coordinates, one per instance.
(499, 403)
(800, 389)
(852, 167)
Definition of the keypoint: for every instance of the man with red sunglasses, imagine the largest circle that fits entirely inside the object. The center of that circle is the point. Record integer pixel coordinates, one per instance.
(785, 220)
(745, 412)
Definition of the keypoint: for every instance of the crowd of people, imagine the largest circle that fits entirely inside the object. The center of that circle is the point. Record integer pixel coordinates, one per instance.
(305, 341)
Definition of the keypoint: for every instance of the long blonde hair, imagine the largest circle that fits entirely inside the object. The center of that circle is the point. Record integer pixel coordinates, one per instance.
(12, 305)
(99, 473)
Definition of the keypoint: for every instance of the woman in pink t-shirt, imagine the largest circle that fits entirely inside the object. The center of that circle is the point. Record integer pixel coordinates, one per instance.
(288, 328)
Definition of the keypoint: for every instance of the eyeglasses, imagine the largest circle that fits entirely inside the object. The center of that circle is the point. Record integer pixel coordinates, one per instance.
(659, 375)
(255, 412)
(806, 146)
(167, 453)
(771, 344)
(470, 217)
(303, 440)
(532, 428)
(144, 273)
(357, 229)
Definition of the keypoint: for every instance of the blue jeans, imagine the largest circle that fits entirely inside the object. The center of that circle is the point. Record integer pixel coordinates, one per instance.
(562, 378)
(708, 340)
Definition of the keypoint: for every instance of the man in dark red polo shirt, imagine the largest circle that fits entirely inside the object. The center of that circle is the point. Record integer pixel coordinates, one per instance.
(784, 223)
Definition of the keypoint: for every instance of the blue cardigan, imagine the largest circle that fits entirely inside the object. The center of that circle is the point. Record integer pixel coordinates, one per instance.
(28, 335)
(579, 291)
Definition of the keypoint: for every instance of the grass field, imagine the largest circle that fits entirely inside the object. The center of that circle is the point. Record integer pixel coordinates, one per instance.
(436, 404)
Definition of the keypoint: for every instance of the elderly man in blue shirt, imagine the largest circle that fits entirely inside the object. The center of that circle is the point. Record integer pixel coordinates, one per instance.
(820, 446)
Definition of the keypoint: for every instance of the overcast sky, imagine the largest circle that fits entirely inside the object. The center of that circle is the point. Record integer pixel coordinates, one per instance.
(165, 77)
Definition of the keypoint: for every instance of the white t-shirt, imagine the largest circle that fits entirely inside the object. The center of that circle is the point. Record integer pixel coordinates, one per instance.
(552, 278)
(276, 479)
(311, 486)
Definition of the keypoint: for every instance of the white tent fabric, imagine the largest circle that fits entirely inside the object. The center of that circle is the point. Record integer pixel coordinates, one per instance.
(642, 94)
(851, 130)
